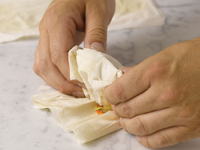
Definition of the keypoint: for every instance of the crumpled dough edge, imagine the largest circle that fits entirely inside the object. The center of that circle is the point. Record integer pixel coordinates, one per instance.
(95, 80)
(104, 124)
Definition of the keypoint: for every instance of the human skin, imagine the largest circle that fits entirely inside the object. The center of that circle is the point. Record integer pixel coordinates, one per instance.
(67, 23)
(158, 100)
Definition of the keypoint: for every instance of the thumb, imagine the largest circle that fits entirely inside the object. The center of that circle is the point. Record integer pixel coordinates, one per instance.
(128, 86)
(96, 26)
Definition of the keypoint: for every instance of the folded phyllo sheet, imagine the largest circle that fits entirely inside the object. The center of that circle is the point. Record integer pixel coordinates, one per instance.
(91, 117)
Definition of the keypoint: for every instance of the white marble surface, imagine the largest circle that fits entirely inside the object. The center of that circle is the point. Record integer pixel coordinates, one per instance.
(24, 127)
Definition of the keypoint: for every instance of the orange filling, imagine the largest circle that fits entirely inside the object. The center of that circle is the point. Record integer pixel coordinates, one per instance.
(100, 109)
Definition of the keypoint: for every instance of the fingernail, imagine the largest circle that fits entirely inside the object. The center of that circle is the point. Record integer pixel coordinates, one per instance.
(138, 138)
(124, 69)
(120, 121)
(78, 94)
(82, 85)
(97, 46)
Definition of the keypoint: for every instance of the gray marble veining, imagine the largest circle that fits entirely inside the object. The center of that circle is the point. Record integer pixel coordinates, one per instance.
(24, 127)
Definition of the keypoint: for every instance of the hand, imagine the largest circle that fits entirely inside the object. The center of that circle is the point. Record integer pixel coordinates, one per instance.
(159, 99)
(64, 25)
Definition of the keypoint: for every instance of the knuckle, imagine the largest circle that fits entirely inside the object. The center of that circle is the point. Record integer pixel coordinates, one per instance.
(161, 140)
(156, 69)
(36, 69)
(99, 8)
(186, 112)
(157, 66)
(64, 87)
(146, 142)
(61, 89)
(102, 7)
(58, 14)
(170, 95)
(119, 92)
(100, 11)
(40, 67)
(99, 33)
(55, 55)
(140, 127)
(126, 110)
(52, 15)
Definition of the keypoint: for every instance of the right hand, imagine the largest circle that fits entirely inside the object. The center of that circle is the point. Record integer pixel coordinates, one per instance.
(65, 24)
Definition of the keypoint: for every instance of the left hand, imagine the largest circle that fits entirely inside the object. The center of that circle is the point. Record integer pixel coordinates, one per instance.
(65, 24)
(158, 100)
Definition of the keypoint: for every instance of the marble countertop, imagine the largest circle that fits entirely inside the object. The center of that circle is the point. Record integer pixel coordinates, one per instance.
(24, 127)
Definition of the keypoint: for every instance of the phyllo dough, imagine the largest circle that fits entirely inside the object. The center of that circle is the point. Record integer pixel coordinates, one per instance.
(96, 70)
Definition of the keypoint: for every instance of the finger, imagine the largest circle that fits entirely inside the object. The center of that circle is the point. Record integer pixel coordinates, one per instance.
(166, 137)
(149, 123)
(129, 85)
(47, 70)
(62, 25)
(79, 94)
(150, 100)
(125, 69)
(82, 85)
(96, 26)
